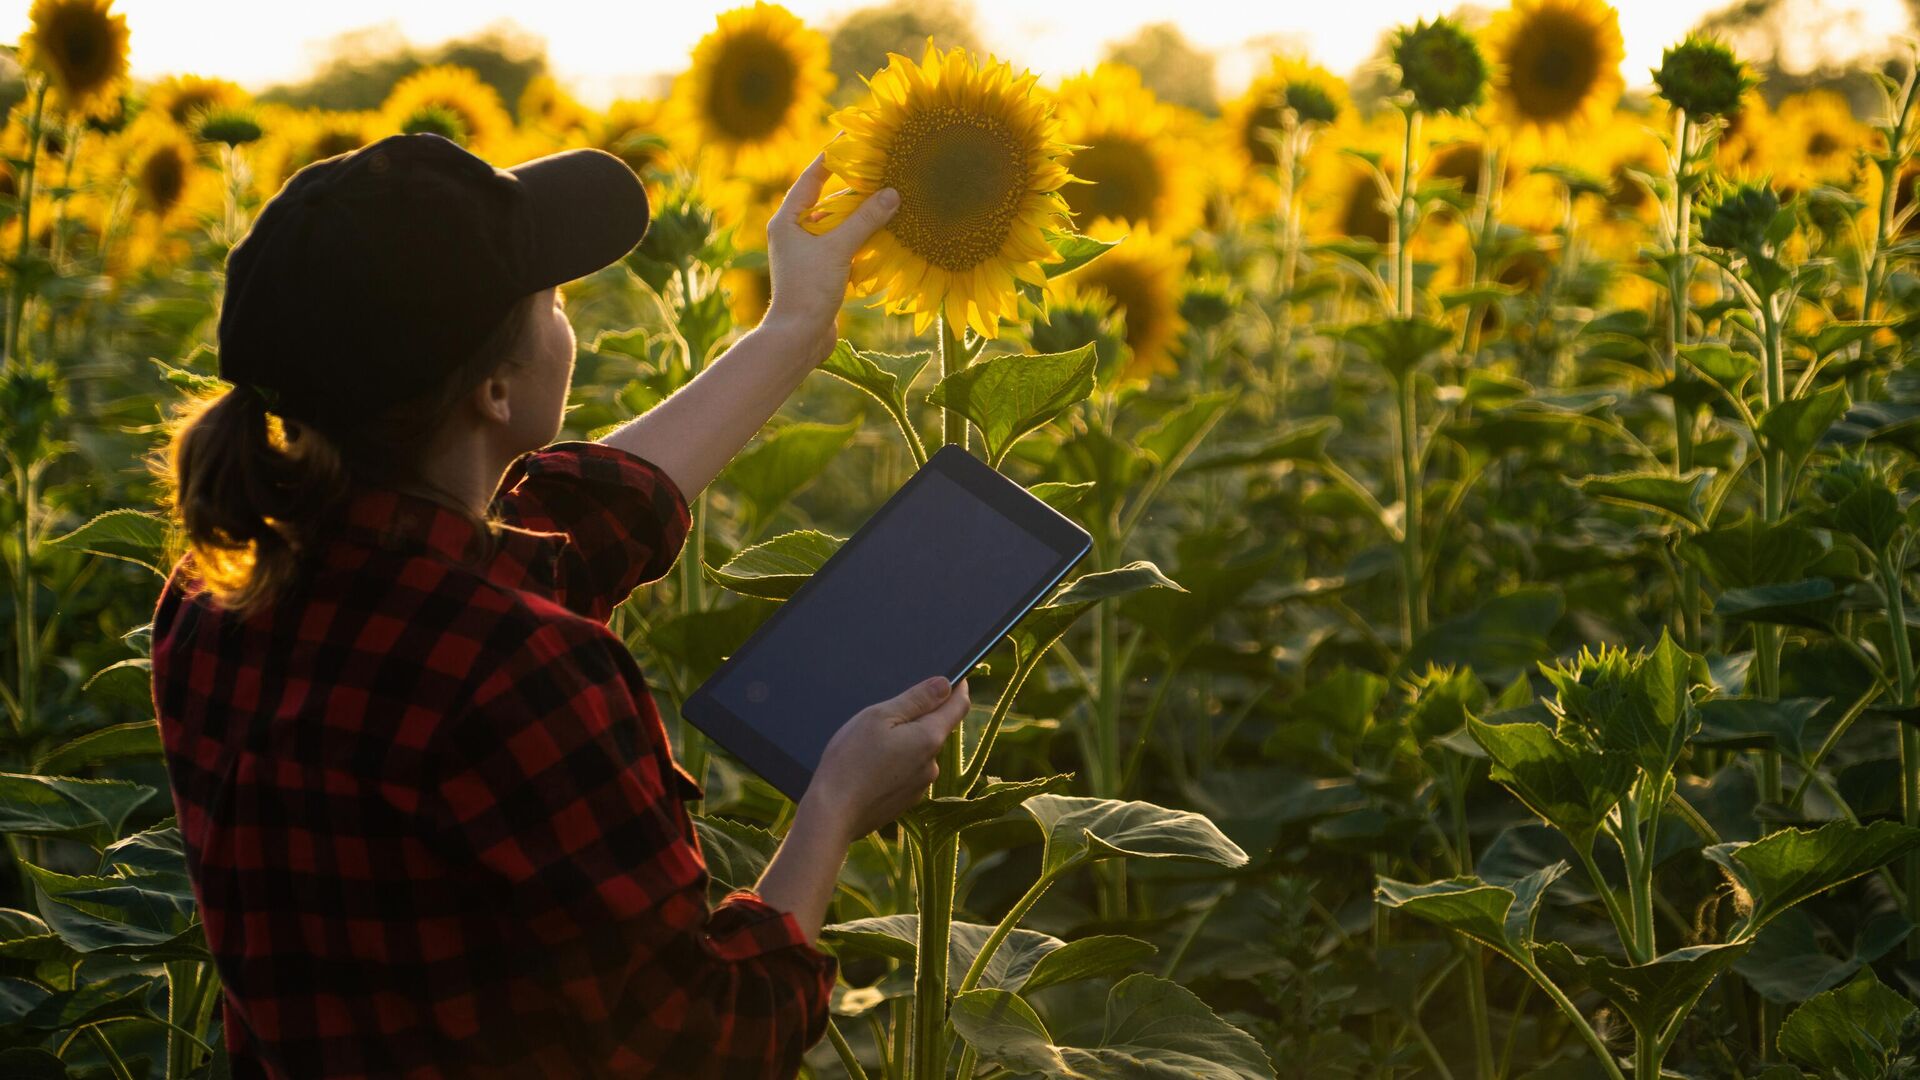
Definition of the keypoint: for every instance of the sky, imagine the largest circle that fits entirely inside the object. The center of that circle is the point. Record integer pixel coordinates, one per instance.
(602, 50)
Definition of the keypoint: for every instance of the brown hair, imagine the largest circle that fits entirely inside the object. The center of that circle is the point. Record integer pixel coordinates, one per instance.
(250, 498)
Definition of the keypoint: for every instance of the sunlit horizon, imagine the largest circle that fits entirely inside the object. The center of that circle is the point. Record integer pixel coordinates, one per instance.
(601, 52)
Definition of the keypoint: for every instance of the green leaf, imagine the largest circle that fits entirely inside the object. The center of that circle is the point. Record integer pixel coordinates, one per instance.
(1507, 632)
(1008, 396)
(1811, 603)
(1501, 917)
(736, 853)
(1852, 1032)
(1397, 345)
(89, 810)
(885, 376)
(785, 462)
(1075, 251)
(1752, 552)
(1648, 714)
(1083, 829)
(1839, 334)
(1155, 1030)
(774, 569)
(147, 919)
(1682, 497)
(1568, 786)
(131, 535)
(1793, 427)
(1780, 870)
(1721, 364)
(1653, 996)
(1173, 437)
(1303, 441)
(1059, 494)
(1743, 723)
(141, 738)
(947, 815)
(1789, 962)
(1093, 957)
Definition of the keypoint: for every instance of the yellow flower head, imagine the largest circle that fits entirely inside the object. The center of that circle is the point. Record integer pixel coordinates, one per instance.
(448, 91)
(975, 154)
(1142, 278)
(1556, 63)
(180, 97)
(747, 198)
(759, 82)
(1256, 117)
(82, 49)
(632, 130)
(1815, 140)
(1137, 163)
(546, 104)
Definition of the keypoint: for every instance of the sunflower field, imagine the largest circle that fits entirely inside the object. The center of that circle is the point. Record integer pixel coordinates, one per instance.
(1495, 657)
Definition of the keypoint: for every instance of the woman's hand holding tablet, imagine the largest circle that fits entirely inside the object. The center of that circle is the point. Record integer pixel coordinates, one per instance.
(933, 579)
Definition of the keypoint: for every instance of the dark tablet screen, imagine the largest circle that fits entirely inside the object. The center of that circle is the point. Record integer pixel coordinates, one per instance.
(926, 587)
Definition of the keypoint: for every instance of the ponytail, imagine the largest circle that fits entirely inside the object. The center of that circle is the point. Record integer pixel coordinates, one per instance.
(246, 496)
(251, 492)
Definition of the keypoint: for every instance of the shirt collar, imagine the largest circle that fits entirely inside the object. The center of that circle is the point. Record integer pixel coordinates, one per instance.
(400, 520)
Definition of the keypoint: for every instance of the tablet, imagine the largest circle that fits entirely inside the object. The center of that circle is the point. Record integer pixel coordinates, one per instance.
(933, 580)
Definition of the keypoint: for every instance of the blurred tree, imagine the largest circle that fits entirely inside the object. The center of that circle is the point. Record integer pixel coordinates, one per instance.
(1765, 32)
(1170, 66)
(359, 67)
(859, 44)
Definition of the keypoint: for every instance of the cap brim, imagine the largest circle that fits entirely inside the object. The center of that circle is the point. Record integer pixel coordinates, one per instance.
(588, 209)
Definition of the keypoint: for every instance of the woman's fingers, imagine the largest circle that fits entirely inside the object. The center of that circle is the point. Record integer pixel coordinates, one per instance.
(806, 189)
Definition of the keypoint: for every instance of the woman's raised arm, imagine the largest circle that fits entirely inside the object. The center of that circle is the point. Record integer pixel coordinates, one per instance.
(700, 427)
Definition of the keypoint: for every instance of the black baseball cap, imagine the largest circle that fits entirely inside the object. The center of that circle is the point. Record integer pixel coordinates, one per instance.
(370, 276)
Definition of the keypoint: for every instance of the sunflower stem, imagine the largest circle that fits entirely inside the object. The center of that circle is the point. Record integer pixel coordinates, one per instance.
(17, 303)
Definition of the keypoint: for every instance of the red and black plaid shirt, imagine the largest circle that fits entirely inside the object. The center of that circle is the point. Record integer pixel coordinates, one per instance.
(431, 815)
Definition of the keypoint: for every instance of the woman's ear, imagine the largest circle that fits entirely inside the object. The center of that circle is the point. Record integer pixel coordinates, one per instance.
(492, 400)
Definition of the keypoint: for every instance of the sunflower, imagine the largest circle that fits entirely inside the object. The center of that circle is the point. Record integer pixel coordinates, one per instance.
(1138, 165)
(179, 97)
(632, 130)
(749, 291)
(82, 49)
(299, 137)
(434, 94)
(1342, 200)
(1142, 278)
(746, 198)
(1256, 118)
(1556, 63)
(545, 104)
(974, 153)
(758, 83)
(1815, 140)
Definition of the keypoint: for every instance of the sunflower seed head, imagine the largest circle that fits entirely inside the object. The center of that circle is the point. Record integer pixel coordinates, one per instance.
(1702, 76)
(1440, 65)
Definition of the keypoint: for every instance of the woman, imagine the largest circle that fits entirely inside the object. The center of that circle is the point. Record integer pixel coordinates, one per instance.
(430, 812)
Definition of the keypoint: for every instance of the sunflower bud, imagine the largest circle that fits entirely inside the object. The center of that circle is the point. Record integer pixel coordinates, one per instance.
(1702, 76)
(227, 124)
(1742, 220)
(1440, 65)
(1310, 102)
(1207, 302)
(1076, 317)
(32, 402)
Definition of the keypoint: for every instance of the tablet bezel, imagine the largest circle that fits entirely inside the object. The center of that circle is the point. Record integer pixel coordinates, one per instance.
(1069, 542)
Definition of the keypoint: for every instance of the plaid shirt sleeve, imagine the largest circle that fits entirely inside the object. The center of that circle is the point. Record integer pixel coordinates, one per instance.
(625, 517)
(557, 786)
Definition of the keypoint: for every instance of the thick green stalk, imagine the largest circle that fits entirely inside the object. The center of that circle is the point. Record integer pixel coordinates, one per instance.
(1587, 1035)
(1413, 596)
(1472, 956)
(938, 858)
(27, 642)
(1892, 584)
(16, 306)
(1680, 274)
